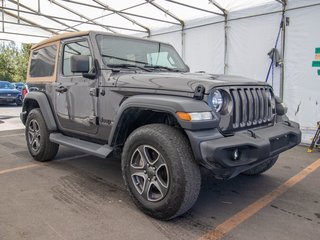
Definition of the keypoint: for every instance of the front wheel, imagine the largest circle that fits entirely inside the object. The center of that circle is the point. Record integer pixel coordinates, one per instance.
(160, 172)
(37, 136)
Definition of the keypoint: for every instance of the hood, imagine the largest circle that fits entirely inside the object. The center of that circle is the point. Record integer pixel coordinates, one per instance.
(186, 82)
(9, 91)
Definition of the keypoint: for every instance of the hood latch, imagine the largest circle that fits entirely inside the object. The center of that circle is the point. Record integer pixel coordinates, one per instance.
(199, 92)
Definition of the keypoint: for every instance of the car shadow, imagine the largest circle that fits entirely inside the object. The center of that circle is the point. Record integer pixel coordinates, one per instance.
(218, 199)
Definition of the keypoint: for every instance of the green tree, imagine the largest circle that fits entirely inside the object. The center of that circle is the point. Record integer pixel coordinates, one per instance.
(14, 61)
(21, 63)
(8, 53)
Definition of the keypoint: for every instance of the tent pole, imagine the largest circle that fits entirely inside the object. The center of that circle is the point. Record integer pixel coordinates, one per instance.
(225, 15)
(2, 16)
(40, 14)
(283, 46)
(225, 68)
(122, 15)
(18, 7)
(182, 43)
(81, 15)
(28, 21)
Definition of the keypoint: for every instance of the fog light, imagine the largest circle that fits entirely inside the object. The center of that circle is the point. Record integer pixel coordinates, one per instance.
(236, 154)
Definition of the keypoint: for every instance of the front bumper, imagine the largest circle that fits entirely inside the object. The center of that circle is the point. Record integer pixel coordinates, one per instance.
(254, 146)
(8, 99)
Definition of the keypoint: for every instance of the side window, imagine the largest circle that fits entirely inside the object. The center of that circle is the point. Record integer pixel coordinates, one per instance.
(74, 48)
(43, 62)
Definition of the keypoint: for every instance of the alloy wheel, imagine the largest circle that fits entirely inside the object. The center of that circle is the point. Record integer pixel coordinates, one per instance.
(149, 173)
(34, 135)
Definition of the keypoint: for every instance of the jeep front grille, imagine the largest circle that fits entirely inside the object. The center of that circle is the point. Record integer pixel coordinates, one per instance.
(251, 106)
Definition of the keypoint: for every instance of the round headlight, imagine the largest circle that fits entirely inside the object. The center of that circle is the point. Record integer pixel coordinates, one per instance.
(216, 100)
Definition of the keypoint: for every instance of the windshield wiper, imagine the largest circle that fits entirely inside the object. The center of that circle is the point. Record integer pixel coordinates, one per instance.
(128, 66)
(162, 67)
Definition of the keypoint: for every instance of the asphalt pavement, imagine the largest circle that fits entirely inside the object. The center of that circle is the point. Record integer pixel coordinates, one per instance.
(78, 196)
(9, 114)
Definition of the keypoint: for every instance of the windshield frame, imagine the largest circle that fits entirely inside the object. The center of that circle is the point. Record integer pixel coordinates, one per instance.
(149, 68)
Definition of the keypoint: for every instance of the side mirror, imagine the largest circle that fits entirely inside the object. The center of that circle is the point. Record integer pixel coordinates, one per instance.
(79, 64)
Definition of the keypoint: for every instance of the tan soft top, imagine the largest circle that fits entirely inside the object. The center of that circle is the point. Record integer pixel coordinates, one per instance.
(59, 37)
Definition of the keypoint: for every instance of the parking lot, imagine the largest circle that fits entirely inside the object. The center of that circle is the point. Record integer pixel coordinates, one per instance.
(78, 196)
(9, 114)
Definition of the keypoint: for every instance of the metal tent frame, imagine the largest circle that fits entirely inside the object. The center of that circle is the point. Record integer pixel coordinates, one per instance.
(23, 14)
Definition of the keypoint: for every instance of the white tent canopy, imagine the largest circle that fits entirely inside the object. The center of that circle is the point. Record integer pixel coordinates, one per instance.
(43, 18)
(216, 36)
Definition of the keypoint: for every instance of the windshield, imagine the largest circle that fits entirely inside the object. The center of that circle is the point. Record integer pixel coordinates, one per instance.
(125, 52)
(6, 85)
(19, 84)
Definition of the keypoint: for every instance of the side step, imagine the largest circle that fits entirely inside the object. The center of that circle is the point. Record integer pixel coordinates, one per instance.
(88, 147)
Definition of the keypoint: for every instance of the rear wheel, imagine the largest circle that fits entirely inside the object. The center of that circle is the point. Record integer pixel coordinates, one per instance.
(37, 136)
(160, 172)
(262, 167)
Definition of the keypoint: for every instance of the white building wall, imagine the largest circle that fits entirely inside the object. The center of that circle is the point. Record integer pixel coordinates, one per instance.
(302, 83)
(204, 48)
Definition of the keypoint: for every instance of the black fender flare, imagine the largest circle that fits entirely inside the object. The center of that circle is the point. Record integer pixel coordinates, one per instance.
(45, 108)
(168, 104)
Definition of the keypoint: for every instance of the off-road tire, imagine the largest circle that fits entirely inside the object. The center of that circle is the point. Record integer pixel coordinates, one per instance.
(184, 173)
(262, 167)
(35, 124)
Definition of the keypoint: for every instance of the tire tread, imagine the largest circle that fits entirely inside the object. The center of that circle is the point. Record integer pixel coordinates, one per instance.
(50, 149)
(178, 145)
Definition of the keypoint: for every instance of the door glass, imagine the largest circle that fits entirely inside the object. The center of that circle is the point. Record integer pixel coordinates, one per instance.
(74, 48)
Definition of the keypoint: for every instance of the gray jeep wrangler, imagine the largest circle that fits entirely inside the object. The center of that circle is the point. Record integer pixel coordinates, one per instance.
(103, 93)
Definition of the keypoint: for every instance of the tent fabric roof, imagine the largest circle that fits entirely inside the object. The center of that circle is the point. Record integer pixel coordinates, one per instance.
(34, 20)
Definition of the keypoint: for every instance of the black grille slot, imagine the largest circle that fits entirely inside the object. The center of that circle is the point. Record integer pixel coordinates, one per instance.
(251, 106)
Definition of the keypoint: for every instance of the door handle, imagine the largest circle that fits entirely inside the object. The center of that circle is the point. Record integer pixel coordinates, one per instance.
(61, 89)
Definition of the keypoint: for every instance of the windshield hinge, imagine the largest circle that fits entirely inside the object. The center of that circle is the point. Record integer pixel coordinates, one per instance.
(199, 92)
(94, 120)
(94, 92)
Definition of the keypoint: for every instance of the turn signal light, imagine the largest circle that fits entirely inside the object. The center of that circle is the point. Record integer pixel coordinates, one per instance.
(184, 116)
(195, 116)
